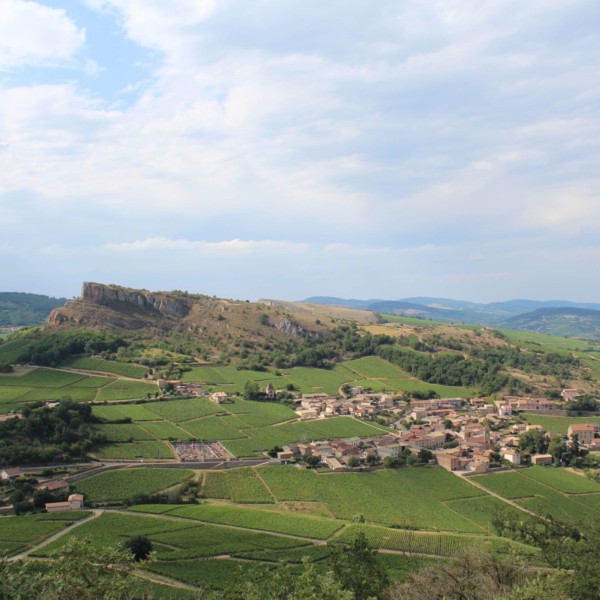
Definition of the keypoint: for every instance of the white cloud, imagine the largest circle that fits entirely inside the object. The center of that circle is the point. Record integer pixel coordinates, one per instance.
(35, 34)
(366, 131)
(227, 247)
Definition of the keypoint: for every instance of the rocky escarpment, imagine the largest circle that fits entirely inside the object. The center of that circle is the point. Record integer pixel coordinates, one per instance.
(167, 306)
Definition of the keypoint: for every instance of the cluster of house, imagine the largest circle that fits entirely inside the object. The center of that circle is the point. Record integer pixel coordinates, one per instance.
(73, 502)
(321, 406)
(340, 454)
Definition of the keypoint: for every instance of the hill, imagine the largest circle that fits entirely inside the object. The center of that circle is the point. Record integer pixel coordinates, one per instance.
(502, 314)
(19, 309)
(571, 322)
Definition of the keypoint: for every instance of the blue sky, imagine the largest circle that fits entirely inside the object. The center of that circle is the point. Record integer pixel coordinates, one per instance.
(269, 148)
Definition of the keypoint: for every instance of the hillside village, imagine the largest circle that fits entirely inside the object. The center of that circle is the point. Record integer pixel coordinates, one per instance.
(463, 436)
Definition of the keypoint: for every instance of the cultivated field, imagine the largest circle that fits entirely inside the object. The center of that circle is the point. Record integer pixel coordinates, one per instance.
(125, 483)
(558, 424)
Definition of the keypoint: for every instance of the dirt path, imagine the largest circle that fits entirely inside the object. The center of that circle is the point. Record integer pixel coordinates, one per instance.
(95, 514)
(198, 522)
(91, 373)
(505, 500)
(163, 580)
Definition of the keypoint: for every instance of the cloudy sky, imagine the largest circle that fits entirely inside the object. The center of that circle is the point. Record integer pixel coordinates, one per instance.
(277, 148)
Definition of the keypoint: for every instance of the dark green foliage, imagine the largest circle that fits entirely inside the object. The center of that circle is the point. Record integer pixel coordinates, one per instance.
(358, 569)
(19, 309)
(139, 546)
(52, 348)
(533, 441)
(44, 434)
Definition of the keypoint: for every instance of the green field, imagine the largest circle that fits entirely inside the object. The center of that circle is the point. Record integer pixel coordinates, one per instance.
(106, 366)
(126, 483)
(183, 410)
(238, 485)
(558, 424)
(48, 385)
(20, 533)
(126, 390)
(385, 497)
(373, 367)
(538, 491)
(135, 451)
(255, 518)
(126, 432)
(135, 412)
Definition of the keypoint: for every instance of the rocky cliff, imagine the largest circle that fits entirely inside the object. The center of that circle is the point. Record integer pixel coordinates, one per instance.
(165, 304)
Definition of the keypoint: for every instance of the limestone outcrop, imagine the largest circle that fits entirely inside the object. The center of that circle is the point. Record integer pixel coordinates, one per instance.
(166, 305)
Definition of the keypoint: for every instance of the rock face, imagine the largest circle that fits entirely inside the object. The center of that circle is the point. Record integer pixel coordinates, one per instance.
(168, 306)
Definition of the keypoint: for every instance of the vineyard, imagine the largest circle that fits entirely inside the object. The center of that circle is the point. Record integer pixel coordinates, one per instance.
(126, 483)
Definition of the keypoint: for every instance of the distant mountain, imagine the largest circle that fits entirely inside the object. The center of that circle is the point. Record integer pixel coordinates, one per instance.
(562, 321)
(18, 309)
(493, 314)
(333, 301)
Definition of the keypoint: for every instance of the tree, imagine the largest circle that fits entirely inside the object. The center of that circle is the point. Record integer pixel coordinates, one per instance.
(468, 577)
(140, 546)
(252, 391)
(358, 569)
(286, 584)
(533, 441)
(310, 460)
(390, 462)
(425, 455)
(557, 448)
(78, 571)
(353, 462)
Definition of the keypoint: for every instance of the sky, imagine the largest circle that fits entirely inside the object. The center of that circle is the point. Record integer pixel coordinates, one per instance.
(276, 149)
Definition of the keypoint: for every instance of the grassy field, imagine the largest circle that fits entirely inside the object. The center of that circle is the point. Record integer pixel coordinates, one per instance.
(558, 424)
(135, 412)
(126, 432)
(256, 518)
(538, 491)
(126, 390)
(20, 533)
(106, 366)
(545, 343)
(126, 483)
(135, 451)
(239, 485)
(385, 497)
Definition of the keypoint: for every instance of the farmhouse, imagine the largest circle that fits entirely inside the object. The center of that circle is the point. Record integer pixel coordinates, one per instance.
(541, 459)
(56, 485)
(585, 433)
(75, 502)
(7, 474)
(219, 397)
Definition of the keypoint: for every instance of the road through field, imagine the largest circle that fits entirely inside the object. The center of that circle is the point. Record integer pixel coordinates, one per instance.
(95, 514)
(506, 500)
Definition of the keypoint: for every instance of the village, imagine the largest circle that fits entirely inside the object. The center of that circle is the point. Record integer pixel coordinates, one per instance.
(463, 436)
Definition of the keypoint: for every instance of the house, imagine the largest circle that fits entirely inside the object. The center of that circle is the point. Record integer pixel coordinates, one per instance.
(511, 456)
(541, 459)
(56, 485)
(270, 392)
(333, 463)
(585, 433)
(75, 502)
(504, 410)
(7, 474)
(569, 394)
(219, 397)
(448, 460)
